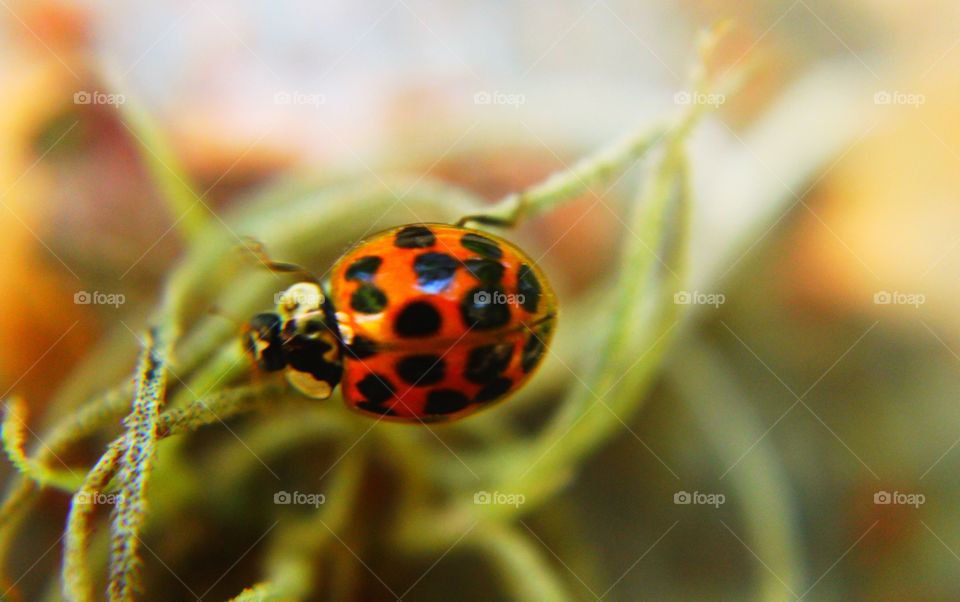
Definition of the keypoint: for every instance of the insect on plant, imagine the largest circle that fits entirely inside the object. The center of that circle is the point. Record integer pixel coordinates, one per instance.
(421, 323)
(425, 322)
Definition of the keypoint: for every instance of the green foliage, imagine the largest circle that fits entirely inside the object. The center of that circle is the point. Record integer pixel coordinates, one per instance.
(192, 372)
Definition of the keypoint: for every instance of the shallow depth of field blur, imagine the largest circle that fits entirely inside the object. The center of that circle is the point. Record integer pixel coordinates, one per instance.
(800, 440)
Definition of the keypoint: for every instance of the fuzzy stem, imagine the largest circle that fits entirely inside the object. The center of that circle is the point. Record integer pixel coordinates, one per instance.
(77, 583)
(578, 179)
(182, 420)
(14, 436)
(130, 512)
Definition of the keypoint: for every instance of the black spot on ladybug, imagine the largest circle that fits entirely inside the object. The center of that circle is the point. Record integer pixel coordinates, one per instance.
(532, 351)
(415, 237)
(363, 268)
(486, 362)
(418, 319)
(496, 388)
(376, 388)
(305, 354)
(361, 348)
(265, 329)
(366, 406)
(368, 299)
(485, 308)
(421, 370)
(445, 401)
(528, 288)
(481, 245)
(487, 271)
(434, 271)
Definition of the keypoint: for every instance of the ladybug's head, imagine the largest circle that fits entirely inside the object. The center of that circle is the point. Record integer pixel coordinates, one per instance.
(310, 340)
(262, 340)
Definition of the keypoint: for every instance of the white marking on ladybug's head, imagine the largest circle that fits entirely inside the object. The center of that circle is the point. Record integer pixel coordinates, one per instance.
(301, 298)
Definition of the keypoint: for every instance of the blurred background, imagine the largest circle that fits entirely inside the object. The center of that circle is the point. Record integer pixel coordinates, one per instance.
(801, 438)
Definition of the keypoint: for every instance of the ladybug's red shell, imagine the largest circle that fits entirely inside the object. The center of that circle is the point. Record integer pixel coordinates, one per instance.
(438, 321)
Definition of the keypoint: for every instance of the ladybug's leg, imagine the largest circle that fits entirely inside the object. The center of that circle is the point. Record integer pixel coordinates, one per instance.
(256, 248)
(503, 221)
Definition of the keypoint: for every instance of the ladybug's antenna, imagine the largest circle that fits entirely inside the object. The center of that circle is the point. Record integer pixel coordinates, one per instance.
(259, 251)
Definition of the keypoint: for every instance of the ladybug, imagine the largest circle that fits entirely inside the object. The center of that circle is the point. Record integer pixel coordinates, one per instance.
(420, 323)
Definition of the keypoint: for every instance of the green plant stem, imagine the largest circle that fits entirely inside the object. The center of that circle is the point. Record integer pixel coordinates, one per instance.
(14, 428)
(579, 178)
(77, 583)
(629, 353)
(761, 485)
(15, 508)
(526, 575)
(129, 513)
(24, 491)
(635, 342)
(182, 420)
(187, 209)
(81, 423)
